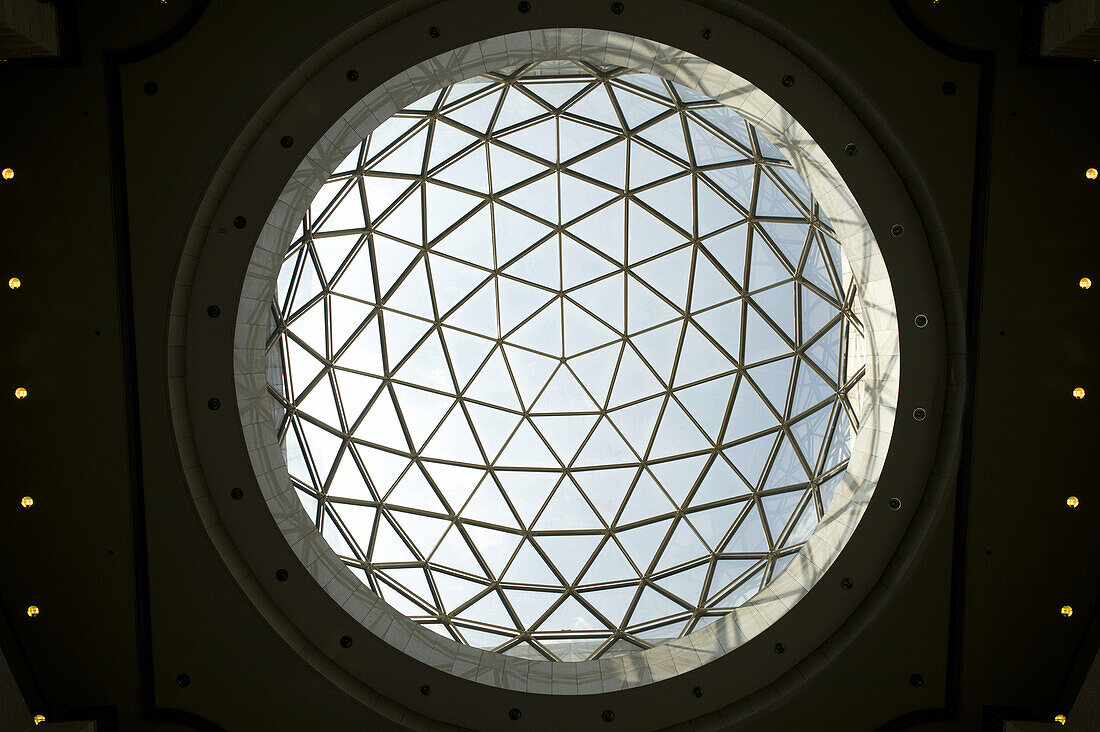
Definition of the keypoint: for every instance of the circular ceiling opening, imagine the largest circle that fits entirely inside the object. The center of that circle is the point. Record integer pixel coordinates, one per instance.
(567, 362)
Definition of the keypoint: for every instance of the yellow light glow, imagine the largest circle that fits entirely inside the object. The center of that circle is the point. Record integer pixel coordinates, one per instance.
(14, 283)
(32, 611)
(39, 719)
(1060, 719)
(1072, 502)
(1090, 173)
(1067, 611)
(9, 174)
(1085, 283)
(1078, 393)
(27, 502)
(21, 393)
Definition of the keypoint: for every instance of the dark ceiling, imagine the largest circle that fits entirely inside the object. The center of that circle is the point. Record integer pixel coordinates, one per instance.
(108, 178)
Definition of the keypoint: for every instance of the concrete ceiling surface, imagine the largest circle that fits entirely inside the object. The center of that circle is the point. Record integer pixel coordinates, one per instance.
(133, 593)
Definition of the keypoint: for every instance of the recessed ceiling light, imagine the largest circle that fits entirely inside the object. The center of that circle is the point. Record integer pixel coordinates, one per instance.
(15, 283)
(1072, 502)
(26, 502)
(32, 611)
(1085, 283)
(1079, 393)
(1067, 611)
(8, 173)
(20, 393)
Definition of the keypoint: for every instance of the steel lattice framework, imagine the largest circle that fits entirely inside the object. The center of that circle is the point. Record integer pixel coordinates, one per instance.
(564, 360)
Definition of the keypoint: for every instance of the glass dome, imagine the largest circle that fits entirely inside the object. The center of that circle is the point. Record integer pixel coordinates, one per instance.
(564, 361)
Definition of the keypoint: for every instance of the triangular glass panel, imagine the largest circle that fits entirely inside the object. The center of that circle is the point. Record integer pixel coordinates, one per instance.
(647, 166)
(786, 469)
(454, 552)
(810, 389)
(652, 605)
(603, 230)
(531, 605)
(713, 524)
(677, 434)
(472, 241)
(714, 212)
(678, 477)
(762, 341)
(749, 457)
(540, 266)
(569, 553)
(780, 510)
(646, 501)
(542, 332)
(596, 105)
(709, 149)
(531, 371)
(636, 109)
(564, 433)
(633, 381)
(749, 537)
(643, 542)
(381, 425)
(540, 139)
(421, 410)
(563, 395)
(581, 264)
(575, 138)
(447, 140)
(493, 384)
(571, 615)
(509, 168)
(538, 198)
(489, 610)
(470, 171)
(613, 603)
(668, 135)
(527, 450)
(579, 197)
(607, 166)
(772, 201)
(707, 403)
(637, 422)
(517, 108)
(583, 332)
(407, 157)
(478, 313)
(414, 491)
(476, 114)
(557, 93)
(453, 441)
(687, 584)
(446, 206)
(728, 250)
(515, 233)
(388, 546)
(811, 432)
(727, 571)
(605, 489)
(495, 547)
(529, 568)
(699, 358)
(567, 510)
(527, 490)
(673, 201)
(605, 447)
(816, 313)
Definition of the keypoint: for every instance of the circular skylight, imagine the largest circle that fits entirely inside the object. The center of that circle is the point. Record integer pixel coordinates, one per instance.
(563, 360)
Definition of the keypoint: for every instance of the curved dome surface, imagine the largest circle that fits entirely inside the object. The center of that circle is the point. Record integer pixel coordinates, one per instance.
(565, 361)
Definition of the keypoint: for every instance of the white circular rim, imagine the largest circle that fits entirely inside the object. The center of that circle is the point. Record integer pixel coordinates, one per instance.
(870, 444)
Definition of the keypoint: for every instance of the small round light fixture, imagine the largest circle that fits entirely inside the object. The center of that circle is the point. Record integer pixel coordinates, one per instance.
(1090, 173)
(9, 174)
(39, 719)
(32, 611)
(1084, 283)
(1060, 719)
(1072, 502)
(1067, 611)
(15, 283)
(26, 502)
(21, 393)
(1079, 393)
